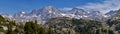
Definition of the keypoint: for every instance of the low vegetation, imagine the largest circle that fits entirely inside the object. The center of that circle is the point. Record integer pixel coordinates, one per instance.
(60, 25)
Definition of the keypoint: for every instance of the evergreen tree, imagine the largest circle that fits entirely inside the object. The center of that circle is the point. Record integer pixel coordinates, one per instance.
(10, 26)
(42, 30)
(1, 19)
(1, 29)
(50, 31)
(27, 28)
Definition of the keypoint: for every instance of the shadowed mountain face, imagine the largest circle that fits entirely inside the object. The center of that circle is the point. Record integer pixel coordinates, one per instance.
(77, 11)
(49, 12)
(114, 21)
(111, 13)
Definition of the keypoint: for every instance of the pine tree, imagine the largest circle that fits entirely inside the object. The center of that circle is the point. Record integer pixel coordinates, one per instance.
(10, 26)
(42, 30)
(50, 31)
(1, 19)
(1, 29)
(27, 28)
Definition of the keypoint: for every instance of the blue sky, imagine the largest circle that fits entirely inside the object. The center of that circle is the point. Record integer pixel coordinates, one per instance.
(13, 6)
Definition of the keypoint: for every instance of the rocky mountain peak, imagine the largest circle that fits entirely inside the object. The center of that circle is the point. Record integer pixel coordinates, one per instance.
(21, 12)
(49, 8)
(77, 9)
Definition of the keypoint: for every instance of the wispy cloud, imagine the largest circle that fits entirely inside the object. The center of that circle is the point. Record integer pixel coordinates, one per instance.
(104, 7)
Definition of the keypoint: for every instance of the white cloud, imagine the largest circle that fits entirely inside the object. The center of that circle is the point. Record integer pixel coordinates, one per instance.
(104, 7)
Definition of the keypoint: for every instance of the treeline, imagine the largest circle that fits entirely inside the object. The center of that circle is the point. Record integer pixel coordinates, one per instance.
(79, 26)
(59, 25)
(10, 27)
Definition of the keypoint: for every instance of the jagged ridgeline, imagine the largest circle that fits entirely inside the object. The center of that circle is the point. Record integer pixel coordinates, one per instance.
(59, 25)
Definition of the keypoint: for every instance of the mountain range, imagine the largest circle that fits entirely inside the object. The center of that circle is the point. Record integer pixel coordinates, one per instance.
(44, 14)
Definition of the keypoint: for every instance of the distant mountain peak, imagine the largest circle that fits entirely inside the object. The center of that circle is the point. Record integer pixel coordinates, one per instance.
(21, 12)
(77, 9)
(50, 8)
(33, 11)
(113, 12)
